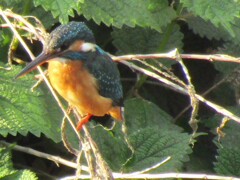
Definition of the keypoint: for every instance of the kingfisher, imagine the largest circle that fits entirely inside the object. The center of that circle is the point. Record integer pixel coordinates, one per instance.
(81, 72)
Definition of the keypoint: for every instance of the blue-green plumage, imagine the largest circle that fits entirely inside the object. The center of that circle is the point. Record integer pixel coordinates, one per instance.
(103, 68)
(64, 35)
(105, 71)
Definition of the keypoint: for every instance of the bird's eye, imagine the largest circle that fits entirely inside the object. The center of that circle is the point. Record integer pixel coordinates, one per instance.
(64, 47)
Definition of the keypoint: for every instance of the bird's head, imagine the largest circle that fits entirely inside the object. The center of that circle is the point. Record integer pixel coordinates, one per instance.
(63, 41)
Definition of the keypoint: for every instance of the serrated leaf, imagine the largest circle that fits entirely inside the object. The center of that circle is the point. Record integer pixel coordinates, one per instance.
(13, 5)
(60, 8)
(231, 129)
(228, 162)
(45, 17)
(231, 49)
(215, 11)
(6, 168)
(144, 40)
(140, 113)
(206, 28)
(21, 175)
(24, 111)
(144, 13)
(27, 8)
(153, 145)
(228, 158)
(112, 146)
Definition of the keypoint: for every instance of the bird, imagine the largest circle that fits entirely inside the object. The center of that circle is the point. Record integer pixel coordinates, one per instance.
(81, 72)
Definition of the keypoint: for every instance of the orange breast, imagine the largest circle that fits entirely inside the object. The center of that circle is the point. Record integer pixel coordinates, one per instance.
(78, 87)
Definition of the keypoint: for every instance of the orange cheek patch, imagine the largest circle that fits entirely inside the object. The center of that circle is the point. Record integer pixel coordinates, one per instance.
(76, 46)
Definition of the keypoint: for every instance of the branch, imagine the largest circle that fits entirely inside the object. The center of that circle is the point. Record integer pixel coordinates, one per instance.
(191, 92)
(4, 14)
(171, 55)
(215, 107)
(137, 174)
(161, 176)
(147, 169)
(56, 159)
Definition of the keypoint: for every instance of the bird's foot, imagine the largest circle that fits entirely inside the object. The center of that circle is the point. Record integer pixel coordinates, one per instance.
(83, 121)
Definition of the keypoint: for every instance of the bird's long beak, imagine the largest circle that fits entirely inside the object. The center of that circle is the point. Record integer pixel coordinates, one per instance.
(40, 59)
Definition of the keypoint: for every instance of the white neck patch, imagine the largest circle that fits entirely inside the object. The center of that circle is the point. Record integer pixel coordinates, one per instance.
(86, 47)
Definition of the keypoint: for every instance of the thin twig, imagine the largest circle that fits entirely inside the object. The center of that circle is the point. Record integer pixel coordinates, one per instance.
(104, 170)
(161, 176)
(191, 92)
(167, 75)
(16, 27)
(20, 18)
(215, 107)
(150, 168)
(56, 159)
(117, 175)
(203, 94)
(33, 57)
(170, 55)
(65, 141)
(86, 148)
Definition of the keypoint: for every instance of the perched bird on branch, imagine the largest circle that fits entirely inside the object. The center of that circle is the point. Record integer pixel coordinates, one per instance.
(81, 72)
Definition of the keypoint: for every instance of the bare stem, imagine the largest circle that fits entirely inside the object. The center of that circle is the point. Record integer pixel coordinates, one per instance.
(56, 159)
(4, 15)
(215, 107)
(170, 55)
(161, 176)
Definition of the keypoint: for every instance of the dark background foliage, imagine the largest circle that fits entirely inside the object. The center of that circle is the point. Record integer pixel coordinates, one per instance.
(33, 119)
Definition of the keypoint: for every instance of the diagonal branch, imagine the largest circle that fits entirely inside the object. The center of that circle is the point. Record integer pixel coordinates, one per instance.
(4, 14)
(56, 159)
(215, 107)
(171, 55)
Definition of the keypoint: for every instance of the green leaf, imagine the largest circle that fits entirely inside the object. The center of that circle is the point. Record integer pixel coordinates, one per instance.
(231, 128)
(45, 17)
(112, 145)
(24, 111)
(24, 7)
(152, 145)
(145, 40)
(231, 131)
(140, 113)
(206, 28)
(60, 8)
(228, 158)
(229, 48)
(215, 11)
(21, 175)
(145, 13)
(228, 162)
(6, 168)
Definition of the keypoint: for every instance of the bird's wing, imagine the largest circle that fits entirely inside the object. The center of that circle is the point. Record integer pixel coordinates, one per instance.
(106, 72)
